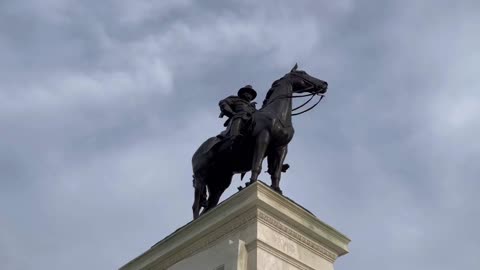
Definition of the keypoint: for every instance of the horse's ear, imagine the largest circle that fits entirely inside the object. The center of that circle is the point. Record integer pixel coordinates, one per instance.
(294, 68)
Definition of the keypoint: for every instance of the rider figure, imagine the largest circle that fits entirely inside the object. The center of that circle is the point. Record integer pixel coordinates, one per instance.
(239, 110)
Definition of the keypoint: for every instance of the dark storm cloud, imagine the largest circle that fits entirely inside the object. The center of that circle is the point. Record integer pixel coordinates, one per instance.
(103, 103)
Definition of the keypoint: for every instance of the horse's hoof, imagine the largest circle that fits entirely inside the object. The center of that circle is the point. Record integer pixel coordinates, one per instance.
(239, 188)
(277, 189)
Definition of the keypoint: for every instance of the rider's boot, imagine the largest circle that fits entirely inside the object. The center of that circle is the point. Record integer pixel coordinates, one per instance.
(235, 127)
(235, 135)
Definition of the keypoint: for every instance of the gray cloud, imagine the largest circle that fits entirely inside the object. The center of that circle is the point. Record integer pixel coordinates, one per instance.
(103, 103)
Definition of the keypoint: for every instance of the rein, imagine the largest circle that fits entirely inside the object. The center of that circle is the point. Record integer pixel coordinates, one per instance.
(311, 95)
(290, 96)
(305, 103)
(316, 103)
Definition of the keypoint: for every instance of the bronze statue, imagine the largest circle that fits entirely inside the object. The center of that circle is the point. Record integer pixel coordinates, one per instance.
(216, 161)
(239, 110)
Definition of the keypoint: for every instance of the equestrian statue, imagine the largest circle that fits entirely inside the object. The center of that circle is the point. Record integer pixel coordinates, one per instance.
(250, 136)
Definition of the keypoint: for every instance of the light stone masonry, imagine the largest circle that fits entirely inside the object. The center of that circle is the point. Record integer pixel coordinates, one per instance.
(254, 229)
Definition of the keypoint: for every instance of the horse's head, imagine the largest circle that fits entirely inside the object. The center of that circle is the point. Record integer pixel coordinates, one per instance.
(302, 82)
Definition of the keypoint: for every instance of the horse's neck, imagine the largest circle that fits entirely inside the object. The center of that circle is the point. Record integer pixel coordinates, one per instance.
(279, 102)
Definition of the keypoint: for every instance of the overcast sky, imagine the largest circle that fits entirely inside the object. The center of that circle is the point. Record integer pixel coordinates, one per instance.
(103, 103)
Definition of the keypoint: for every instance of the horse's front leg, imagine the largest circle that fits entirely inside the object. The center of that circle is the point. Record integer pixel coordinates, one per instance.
(261, 144)
(276, 157)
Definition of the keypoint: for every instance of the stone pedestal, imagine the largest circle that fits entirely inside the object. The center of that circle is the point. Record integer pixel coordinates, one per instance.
(254, 229)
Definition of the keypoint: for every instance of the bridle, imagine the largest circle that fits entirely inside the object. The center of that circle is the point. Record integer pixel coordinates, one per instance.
(311, 95)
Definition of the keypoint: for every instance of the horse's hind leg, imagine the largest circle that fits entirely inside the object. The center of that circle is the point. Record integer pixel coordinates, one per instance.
(200, 194)
(213, 198)
(216, 191)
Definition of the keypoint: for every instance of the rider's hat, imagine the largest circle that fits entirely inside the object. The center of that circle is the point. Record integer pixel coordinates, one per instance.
(248, 89)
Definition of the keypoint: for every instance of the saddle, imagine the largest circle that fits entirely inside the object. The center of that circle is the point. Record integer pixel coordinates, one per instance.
(226, 143)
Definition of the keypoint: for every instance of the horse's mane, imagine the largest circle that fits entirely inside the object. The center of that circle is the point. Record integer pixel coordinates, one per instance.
(270, 91)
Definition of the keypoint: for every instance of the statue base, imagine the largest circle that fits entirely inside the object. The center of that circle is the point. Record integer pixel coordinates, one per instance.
(254, 229)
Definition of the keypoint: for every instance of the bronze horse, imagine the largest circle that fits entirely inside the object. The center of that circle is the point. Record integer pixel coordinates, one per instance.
(216, 160)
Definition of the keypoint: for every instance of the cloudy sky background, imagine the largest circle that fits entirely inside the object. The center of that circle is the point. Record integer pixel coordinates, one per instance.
(102, 104)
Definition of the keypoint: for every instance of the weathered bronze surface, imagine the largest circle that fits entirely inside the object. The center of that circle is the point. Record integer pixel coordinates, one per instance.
(251, 135)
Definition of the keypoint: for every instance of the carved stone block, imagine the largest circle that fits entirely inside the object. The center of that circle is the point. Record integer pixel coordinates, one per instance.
(254, 229)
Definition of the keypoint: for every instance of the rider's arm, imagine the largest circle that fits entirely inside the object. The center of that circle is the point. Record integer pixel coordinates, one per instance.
(225, 108)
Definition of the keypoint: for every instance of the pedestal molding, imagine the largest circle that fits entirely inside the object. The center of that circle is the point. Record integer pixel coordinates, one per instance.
(322, 232)
(295, 236)
(230, 227)
(279, 254)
